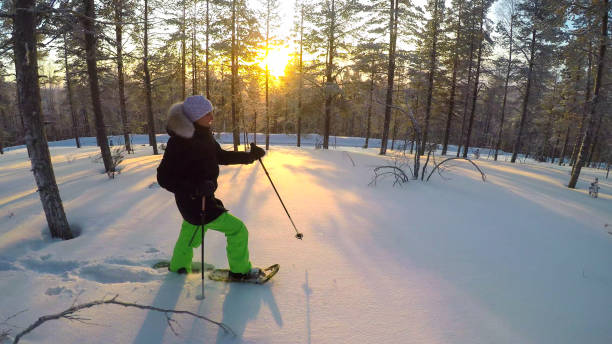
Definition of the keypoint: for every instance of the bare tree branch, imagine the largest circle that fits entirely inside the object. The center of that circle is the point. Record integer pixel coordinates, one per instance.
(69, 314)
(484, 177)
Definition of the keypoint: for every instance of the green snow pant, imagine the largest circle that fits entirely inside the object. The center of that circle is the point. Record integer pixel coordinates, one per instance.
(237, 243)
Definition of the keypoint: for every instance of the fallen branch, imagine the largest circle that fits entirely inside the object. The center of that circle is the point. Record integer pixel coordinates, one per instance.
(347, 154)
(484, 177)
(69, 314)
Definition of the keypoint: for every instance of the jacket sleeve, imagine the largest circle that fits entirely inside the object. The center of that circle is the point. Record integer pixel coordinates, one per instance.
(167, 172)
(232, 158)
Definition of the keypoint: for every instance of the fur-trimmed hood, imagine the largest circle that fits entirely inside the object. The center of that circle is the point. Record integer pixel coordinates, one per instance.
(178, 123)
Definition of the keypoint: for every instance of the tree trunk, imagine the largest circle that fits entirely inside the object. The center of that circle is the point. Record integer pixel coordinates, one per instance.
(235, 133)
(92, 70)
(28, 94)
(255, 127)
(517, 143)
(299, 114)
(564, 150)
(393, 11)
(595, 140)
(476, 80)
(75, 128)
(595, 104)
(369, 120)
(183, 51)
(503, 111)
(467, 93)
(328, 77)
(147, 75)
(207, 50)
(432, 70)
(587, 99)
(86, 126)
(451, 101)
(122, 106)
(194, 65)
(267, 78)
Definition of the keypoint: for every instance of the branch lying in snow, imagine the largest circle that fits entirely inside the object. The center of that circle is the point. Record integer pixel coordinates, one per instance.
(484, 177)
(69, 314)
(347, 154)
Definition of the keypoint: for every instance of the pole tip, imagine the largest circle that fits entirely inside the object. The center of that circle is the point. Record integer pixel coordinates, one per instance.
(299, 236)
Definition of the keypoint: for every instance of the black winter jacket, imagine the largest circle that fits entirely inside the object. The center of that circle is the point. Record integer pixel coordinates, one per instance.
(189, 163)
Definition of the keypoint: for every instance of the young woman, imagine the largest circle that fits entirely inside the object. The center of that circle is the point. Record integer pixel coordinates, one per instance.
(189, 169)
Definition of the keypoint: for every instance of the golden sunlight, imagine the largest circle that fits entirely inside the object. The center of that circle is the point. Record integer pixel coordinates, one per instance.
(277, 59)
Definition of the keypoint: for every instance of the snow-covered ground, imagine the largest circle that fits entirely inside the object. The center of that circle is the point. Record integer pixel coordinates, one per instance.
(519, 258)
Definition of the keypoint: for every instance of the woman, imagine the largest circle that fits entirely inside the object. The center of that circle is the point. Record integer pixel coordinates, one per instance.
(189, 169)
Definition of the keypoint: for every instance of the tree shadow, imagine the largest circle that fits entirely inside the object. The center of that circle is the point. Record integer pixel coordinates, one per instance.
(242, 304)
(308, 292)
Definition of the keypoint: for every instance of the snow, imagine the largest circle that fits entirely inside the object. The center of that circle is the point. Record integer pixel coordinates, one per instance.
(519, 258)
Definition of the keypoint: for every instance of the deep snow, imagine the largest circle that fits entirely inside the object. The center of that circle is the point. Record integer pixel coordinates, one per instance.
(519, 258)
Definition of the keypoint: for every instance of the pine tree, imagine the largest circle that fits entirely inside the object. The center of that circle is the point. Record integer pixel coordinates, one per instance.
(538, 26)
(436, 7)
(507, 38)
(483, 7)
(26, 68)
(595, 109)
(147, 80)
(91, 42)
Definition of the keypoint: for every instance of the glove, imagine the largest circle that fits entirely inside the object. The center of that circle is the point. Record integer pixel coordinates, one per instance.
(256, 152)
(205, 188)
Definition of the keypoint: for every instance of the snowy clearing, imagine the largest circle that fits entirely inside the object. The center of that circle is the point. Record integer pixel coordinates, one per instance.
(519, 258)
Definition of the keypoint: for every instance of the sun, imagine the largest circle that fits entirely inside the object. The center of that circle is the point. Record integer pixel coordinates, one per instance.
(277, 60)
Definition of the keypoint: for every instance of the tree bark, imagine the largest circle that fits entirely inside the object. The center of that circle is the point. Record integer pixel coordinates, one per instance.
(517, 143)
(75, 127)
(28, 94)
(92, 70)
(122, 106)
(147, 75)
(594, 108)
(393, 11)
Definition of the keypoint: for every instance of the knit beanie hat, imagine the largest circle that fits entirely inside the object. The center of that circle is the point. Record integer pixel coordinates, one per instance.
(196, 107)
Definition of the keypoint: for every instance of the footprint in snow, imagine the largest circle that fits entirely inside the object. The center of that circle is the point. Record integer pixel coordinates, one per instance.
(103, 273)
(45, 265)
(58, 290)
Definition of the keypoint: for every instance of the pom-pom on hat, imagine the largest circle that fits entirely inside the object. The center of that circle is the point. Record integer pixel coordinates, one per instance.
(196, 107)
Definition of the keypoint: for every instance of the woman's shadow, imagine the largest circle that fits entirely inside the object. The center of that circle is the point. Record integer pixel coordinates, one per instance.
(242, 304)
(155, 324)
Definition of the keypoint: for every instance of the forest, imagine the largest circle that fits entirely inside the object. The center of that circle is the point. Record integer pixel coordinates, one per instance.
(527, 77)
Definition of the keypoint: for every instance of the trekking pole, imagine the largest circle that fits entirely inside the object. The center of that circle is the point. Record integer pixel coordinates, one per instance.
(202, 267)
(298, 235)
